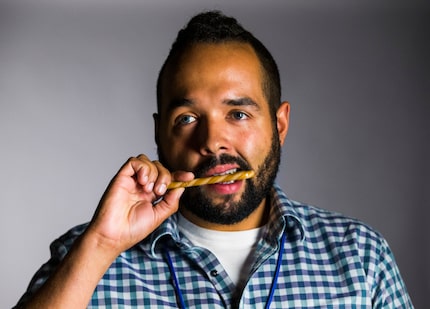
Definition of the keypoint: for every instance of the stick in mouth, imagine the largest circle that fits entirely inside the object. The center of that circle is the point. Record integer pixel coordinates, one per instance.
(241, 175)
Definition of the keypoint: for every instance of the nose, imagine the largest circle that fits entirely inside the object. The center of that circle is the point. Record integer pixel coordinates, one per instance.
(213, 137)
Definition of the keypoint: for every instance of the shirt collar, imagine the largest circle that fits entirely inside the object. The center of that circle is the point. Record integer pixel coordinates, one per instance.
(283, 217)
(284, 208)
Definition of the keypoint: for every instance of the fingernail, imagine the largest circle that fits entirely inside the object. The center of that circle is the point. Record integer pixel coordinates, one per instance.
(162, 189)
(150, 186)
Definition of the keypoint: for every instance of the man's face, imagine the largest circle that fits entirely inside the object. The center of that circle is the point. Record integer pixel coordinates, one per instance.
(215, 119)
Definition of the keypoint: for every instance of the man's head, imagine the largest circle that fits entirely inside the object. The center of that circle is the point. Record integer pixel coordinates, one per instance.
(218, 112)
(214, 27)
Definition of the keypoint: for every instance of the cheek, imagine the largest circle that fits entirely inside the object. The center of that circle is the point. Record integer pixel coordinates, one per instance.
(255, 145)
(178, 155)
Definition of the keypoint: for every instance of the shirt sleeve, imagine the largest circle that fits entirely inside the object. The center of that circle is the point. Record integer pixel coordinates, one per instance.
(58, 250)
(384, 281)
(389, 289)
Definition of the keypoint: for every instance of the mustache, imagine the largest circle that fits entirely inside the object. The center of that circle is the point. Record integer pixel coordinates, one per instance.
(203, 167)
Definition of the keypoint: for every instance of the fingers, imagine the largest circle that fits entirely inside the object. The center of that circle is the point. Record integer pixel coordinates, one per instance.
(163, 179)
(127, 212)
(152, 176)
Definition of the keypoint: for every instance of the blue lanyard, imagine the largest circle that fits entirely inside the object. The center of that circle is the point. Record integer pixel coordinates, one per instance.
(278, 267)
(272, 288)
(175, 281)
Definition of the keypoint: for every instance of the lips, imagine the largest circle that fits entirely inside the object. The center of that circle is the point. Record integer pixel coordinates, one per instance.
(231, 171)
(222, 170)
(234, 170)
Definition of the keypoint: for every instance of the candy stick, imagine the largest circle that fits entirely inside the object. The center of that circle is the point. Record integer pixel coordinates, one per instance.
(241, 175)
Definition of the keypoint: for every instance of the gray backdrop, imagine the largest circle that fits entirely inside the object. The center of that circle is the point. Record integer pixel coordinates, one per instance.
(77, 93)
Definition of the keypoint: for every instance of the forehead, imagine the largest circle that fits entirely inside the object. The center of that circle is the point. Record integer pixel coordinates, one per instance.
(205, 65)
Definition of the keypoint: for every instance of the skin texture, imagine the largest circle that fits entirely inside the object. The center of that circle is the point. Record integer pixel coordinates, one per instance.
(218, 83)
(218, 109)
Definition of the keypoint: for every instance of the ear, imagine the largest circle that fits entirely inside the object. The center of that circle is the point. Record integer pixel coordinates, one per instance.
(156, 128)
(283, 121)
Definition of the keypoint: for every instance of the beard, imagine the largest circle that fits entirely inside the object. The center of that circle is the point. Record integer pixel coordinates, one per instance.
(229, 211)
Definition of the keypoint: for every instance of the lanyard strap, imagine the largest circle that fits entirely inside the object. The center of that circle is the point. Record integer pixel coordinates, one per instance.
(175, 280)
(278, 267)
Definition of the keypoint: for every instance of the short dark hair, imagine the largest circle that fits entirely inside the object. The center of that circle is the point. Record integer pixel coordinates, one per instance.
(215, 27)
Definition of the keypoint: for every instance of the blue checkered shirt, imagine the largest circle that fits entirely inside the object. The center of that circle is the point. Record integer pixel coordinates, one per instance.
(328, 261)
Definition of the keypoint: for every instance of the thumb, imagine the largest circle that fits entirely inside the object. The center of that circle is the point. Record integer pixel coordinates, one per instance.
(169, 204)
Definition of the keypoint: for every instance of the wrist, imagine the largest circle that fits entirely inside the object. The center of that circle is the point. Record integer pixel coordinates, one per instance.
(99, 245)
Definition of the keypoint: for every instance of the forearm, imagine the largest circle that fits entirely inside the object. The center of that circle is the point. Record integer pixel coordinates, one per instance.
(73, 283)
(125, 215)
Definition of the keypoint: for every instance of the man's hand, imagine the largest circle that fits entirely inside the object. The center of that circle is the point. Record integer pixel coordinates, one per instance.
(126, 213)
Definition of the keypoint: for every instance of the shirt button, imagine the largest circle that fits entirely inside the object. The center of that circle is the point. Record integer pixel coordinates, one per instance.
(214, 273)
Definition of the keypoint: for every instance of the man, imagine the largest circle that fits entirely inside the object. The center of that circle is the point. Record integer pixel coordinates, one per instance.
(233, 244)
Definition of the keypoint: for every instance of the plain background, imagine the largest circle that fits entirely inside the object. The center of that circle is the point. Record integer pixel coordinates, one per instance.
(77, 94)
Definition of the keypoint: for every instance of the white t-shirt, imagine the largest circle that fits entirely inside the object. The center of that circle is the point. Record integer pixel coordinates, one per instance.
(231, 248)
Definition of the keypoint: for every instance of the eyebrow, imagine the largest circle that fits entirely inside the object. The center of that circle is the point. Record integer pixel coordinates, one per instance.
(183, 102)
(175, 103)
(244, 101)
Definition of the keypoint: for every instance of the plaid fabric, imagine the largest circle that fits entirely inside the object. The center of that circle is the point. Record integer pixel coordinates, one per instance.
(329, 261)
